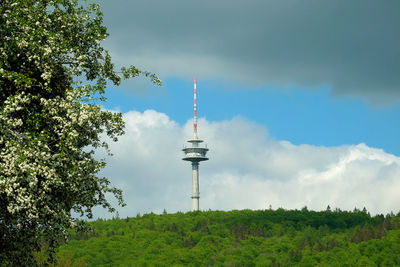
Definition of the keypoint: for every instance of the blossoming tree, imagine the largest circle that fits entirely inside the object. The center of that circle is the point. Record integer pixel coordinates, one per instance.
(50, 123)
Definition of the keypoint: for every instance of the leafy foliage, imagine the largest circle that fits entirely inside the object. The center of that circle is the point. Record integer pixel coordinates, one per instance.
(50, 123)
(240, 238)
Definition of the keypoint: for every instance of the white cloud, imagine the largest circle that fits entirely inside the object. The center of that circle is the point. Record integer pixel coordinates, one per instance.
(247, 169)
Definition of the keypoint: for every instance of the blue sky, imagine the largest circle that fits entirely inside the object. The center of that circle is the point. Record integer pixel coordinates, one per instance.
(298, 101)
(322, 73)
(298, 115)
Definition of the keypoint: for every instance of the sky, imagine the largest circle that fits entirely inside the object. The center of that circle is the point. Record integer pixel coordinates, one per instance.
(298, 102)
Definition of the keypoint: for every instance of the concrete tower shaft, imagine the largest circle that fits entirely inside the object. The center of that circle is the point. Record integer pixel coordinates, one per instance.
(195, 186)
(195, 154)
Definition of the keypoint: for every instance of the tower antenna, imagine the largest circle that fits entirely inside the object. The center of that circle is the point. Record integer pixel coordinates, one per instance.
(195, 111)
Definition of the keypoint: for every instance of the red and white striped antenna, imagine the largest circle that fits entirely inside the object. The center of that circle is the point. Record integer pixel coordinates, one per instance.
(195, 112)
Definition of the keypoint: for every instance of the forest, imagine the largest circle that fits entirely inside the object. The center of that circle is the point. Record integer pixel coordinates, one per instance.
(238, 238)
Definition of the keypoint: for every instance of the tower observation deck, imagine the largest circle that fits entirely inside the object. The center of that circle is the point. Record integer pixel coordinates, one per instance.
(195, 153)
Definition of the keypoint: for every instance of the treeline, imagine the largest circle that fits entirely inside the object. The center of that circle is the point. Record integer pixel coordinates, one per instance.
(239, 238)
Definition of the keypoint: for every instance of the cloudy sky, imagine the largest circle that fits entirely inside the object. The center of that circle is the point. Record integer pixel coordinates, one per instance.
(299, 103)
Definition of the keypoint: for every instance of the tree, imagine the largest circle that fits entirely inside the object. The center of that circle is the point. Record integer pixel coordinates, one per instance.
(51, 123)
(328, 209)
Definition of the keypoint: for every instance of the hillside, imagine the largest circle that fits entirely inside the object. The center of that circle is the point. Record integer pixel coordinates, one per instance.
(239, 238)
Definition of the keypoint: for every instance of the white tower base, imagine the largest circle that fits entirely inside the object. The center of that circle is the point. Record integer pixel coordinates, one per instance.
(195, 186)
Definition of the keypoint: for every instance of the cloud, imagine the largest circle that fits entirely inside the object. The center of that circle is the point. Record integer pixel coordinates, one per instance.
(352, 46)
(247, 169)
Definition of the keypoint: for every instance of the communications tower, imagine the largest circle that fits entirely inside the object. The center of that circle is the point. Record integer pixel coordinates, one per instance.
(195, 154)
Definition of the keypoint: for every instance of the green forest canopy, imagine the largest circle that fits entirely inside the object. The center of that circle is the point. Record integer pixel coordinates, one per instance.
(239, 238)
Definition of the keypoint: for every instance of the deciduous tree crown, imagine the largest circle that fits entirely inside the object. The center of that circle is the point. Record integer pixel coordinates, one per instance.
(50, 123)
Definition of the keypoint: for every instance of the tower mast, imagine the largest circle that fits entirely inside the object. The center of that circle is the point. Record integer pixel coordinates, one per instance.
(195, 111)
(195, 154)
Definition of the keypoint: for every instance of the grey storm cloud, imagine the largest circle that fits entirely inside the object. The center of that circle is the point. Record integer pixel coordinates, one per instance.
(353, 46)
